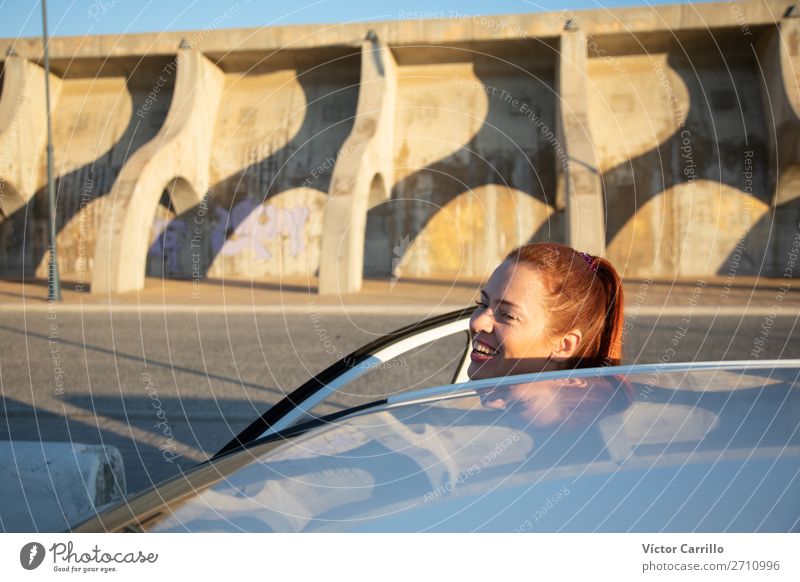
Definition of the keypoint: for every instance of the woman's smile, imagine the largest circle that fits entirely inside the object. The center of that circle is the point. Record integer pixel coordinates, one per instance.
(482, 352)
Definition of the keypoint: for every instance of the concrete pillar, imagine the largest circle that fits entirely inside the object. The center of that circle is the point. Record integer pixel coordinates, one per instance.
(176, 159)
(367, 152)
(779, 59)
(579, 183)
(779, 62)
(23, 130)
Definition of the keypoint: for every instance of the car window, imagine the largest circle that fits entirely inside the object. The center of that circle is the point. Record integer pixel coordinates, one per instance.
(431, 353)
(432, 364)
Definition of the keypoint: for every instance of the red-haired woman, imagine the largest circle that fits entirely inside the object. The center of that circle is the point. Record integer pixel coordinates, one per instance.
(547, 307)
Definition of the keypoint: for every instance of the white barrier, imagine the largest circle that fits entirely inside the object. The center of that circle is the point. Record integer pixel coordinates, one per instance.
(46, 486)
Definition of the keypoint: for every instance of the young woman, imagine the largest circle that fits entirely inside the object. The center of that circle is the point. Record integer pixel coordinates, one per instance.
(547, 307)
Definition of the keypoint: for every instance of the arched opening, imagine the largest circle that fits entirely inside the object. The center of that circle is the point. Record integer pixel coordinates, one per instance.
(377, 238)
(182, 195)
(169, 242)
(167, 232)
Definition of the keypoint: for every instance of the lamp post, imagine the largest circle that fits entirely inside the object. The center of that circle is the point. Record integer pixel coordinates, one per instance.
(53, 283)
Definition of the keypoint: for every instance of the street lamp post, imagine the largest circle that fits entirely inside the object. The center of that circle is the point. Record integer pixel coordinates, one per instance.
(53, 283)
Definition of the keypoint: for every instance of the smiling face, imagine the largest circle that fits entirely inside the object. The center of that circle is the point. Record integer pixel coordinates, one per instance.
(509, 326)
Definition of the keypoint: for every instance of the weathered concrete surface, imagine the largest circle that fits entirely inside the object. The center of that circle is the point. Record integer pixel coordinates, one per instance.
(23, 130)
(421, 32)
(684, 158)
(176, 160)
(475, 153)
(428, 151)
(580, 176)
(46, 486)
(779, 55)
(278, 134)
(363, 172)
(95, 131)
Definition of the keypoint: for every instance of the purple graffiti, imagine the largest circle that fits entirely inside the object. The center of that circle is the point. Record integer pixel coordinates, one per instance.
(254, 224)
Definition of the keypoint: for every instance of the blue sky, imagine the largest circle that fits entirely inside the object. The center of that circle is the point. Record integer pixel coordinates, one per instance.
(22, 18)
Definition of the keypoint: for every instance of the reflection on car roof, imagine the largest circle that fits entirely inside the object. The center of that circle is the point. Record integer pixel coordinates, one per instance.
(445, 461)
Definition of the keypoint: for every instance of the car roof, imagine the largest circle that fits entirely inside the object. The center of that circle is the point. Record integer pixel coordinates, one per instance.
(440, 459)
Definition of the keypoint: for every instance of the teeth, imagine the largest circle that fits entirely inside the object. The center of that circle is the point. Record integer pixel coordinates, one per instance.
(478, 347)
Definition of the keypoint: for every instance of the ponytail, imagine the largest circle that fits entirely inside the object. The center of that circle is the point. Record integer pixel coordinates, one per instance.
(610, 349)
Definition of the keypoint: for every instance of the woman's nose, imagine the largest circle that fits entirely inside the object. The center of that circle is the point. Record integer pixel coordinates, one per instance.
(481, 321)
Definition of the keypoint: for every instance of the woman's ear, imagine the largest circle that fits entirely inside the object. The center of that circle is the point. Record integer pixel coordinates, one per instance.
(566, 346)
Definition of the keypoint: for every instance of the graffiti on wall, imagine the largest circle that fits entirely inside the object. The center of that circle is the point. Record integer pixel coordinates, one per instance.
(250, 225)
(255, 224)
(168, 242)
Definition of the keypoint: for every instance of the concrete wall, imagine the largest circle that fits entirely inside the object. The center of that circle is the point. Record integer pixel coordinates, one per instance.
(96, 129)
(474, 174)
(277, 136)
(684, 158)
(664, 138)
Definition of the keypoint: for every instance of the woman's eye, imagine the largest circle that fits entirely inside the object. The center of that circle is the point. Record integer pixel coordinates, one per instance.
(481, 304)
(507, 315)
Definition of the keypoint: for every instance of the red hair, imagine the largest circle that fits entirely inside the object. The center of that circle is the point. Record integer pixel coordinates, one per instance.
(584, 293)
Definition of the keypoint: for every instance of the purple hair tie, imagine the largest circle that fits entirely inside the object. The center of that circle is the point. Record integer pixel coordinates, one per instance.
(590, 260)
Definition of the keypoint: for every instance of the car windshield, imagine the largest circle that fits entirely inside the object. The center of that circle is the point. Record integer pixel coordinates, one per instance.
(638, 451)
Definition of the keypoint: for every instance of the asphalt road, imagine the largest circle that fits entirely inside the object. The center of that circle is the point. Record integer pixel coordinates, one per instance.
(170, 390)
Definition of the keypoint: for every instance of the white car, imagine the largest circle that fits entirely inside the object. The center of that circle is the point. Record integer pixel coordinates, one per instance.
(711, 447)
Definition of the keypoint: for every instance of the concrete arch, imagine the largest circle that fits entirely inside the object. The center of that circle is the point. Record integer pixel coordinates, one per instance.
(579, 184)
(365, 155)
(176, 160)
